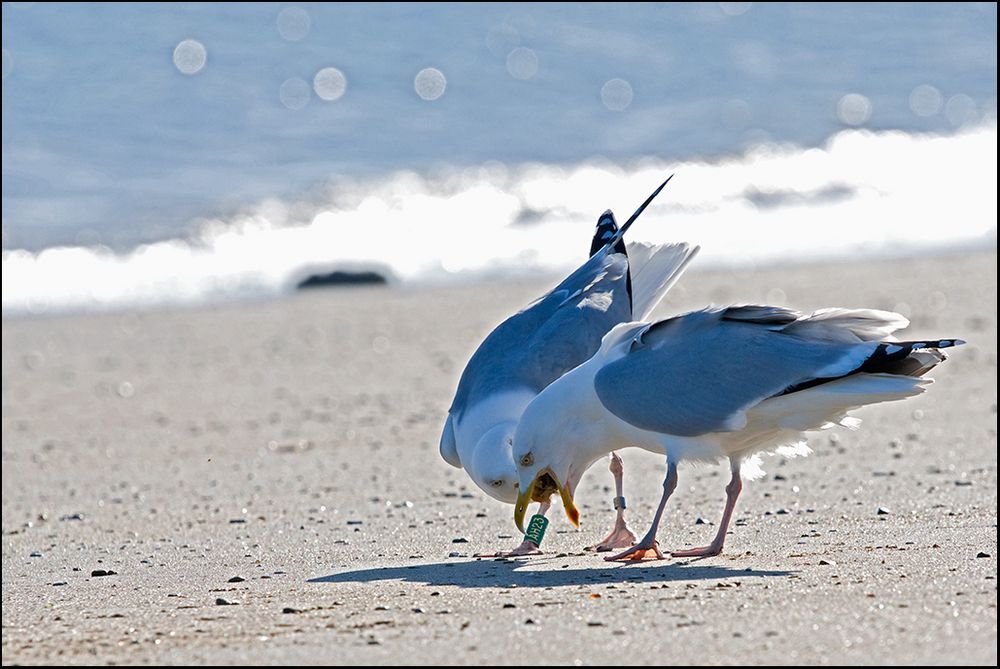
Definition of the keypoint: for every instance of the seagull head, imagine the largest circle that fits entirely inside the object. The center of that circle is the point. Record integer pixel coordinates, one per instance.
(492, 466)
(543, 468)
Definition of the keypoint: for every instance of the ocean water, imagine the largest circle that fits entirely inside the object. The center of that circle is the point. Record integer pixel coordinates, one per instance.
(186, 154)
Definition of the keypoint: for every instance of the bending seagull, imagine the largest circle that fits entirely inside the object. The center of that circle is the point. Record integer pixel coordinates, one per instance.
(718, 383)
(532, 348)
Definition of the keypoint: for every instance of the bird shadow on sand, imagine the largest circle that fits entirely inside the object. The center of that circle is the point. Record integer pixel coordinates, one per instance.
(488, 573)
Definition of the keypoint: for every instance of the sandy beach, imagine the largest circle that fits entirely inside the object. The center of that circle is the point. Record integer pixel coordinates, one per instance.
(261, 483)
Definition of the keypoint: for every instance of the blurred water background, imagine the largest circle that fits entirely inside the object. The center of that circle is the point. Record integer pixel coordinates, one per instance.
(189, 153)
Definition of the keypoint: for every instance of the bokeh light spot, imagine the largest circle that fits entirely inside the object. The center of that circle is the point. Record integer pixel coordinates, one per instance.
(735, 8)
(756, 59)
(330, 83)
(294, 93)
(190, 56)
(522, 63)
(854, 109)
(294, 23)
(430, 83)
(961, 110)
(925, 100)
(381, 344)
(616, 94)
(776, 296)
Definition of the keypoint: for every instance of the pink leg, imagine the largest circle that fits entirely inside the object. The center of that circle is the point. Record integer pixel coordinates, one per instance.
(620, 536)
(526, 547)
(732, 492)
(648, 542)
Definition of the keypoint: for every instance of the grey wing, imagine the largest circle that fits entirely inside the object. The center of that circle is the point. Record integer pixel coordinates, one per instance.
(449, 449)
(573, 332)
(555, 333)
(701, 372)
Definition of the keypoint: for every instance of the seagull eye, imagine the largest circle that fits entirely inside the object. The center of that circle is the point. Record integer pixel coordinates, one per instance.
(527, 460)
(498, 483)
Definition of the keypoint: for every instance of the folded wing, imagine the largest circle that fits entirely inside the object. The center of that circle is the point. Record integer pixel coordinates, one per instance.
(703, 371)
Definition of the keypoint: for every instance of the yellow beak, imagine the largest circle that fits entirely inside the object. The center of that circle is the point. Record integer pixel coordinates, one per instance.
(524, 498)
(521, 506)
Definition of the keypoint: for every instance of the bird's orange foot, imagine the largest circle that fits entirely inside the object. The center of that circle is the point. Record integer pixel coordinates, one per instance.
(620, 537)
(640, 551)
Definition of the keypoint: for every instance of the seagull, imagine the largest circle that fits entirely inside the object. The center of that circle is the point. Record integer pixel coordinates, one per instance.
(554, 334)
(712, 384)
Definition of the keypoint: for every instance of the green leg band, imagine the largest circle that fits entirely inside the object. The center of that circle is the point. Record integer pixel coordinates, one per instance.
(536, 529)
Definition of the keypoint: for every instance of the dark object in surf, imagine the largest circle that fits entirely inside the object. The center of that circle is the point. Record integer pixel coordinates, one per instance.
(340, 278)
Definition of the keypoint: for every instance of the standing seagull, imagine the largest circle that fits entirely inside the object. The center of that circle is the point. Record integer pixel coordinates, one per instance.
(711, 384)
(532, 348)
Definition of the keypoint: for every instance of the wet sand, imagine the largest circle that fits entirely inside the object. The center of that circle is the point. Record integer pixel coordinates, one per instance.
(292, 445)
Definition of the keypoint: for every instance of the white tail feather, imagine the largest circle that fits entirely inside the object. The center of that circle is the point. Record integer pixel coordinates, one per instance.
(655, 268)
(814, 407)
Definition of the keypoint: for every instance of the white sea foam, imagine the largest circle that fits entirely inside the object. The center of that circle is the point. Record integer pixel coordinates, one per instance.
(874, 193)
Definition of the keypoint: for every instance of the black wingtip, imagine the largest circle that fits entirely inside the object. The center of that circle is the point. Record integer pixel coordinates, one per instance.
(607, 226)
(642, 207)
(645, 204)
(933, 343)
